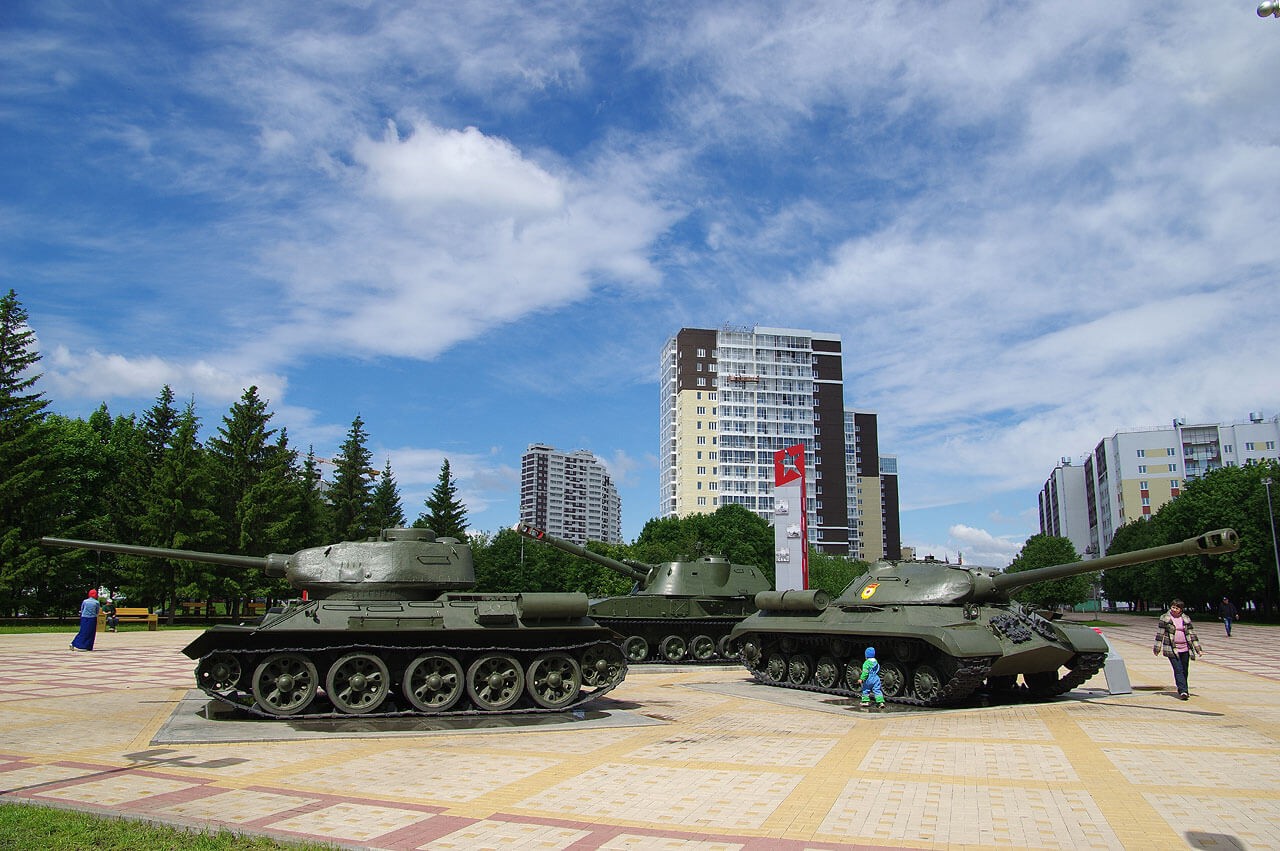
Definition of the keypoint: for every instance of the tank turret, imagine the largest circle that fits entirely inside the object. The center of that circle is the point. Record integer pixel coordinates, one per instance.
(678, 610)
(941, 631)
(391, 626)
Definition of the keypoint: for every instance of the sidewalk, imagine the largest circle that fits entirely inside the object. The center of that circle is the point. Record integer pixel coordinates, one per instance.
(696, 758)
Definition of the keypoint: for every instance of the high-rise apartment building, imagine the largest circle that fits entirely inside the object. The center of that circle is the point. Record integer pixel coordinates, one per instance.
(570, 495)
(1132, 473)
(731, 398)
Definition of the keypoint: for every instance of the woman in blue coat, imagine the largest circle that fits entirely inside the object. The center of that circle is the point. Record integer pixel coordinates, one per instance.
(88, 622)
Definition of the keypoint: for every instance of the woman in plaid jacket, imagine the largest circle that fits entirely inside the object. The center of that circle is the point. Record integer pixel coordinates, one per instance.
(1177, 639)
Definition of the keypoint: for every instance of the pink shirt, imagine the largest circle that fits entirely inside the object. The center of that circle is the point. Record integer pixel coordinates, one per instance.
(1180, 634)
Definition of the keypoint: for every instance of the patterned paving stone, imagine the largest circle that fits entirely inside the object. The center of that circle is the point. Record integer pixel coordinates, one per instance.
(351, 822)
(117, 790)
(633, 842)
(970, 759)
(770, 721)
(236, 806)
(490, 834)
(31, 779)
(434, 777)
(744, 749)
(1236, 822)
(693, 797)
(1211, 768)
(1175, 730)
(1012, 724)
(893, 811)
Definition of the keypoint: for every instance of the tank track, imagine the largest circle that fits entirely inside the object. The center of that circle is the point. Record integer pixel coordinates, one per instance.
(968, 677)
(1086, 665)
(717, 629)
(244, 701)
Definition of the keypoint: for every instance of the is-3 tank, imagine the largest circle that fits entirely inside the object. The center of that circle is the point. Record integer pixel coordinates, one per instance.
(679, 610)
(391, 628)
(940, 631)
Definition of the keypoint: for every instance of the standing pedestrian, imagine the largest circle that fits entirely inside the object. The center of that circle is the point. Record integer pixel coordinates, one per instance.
(1228, 613)
(1177, 638)
(871, 680)
(88, 622)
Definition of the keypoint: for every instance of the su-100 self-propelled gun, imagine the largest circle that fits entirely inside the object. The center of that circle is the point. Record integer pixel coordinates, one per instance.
(391, 627)
(940, 631)
(679, 610)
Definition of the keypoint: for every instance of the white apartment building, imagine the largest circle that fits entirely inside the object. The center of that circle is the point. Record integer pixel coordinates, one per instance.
(1132, 473)
(570, 495)
(730, 398)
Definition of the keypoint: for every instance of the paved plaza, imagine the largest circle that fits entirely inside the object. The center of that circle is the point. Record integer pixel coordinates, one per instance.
(687, 758)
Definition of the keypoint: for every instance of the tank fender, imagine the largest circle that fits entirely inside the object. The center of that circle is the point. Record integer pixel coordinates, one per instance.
(808, 600)
(552, 604)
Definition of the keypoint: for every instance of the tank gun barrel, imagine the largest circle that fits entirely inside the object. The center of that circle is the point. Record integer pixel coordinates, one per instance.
(632, 570)
(273, 564)
(1210, 543)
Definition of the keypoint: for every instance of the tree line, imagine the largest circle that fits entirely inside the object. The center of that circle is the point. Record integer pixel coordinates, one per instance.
(1229, 497)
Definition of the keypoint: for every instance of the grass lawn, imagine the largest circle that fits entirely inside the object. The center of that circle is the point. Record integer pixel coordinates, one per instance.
(52, 829)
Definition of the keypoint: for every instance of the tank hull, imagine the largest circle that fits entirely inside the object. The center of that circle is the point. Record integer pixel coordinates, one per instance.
(929, 655)
(459, 655)
(673, 630)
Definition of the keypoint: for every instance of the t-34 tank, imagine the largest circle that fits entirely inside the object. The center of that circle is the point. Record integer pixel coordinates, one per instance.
(390, 627)
(940, 631)
(679, 610)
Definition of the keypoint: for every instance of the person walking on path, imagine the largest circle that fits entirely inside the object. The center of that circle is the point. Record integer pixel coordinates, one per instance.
(88, 622)
(1177, 639)
(1228, 613)
(871, 680)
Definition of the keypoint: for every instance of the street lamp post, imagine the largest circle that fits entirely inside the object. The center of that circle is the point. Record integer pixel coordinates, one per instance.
(1275, 549)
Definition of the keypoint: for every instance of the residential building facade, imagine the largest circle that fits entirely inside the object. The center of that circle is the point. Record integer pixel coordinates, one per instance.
(730, 398)
(570, 495)
(1130, 474)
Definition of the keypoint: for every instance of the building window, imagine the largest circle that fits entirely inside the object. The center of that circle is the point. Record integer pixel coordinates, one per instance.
(1227, 448)
(702, 500)
(1142, 468)
(702, 353)
(702, 382)
(1142, 453)
(1173, 483)
(1144, 485)
(1170, 451)
(702, 440)
(702, 471)
(1271, 444)
(1248, 447)
(701, 410)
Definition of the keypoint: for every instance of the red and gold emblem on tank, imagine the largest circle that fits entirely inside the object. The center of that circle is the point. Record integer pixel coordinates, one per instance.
(870, 590)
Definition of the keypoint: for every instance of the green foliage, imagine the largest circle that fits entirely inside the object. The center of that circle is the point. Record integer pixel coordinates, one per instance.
(833, 573)
(350, 497)
(31, 462)
(1045, 550)
(732, 531)
(28, 826)
(387, 508)
(445, 515)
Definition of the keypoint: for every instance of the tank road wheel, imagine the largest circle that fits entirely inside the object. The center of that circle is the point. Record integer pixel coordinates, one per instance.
(827, 674)
(636, 648)
(495, 681)
(672, 648)
(603, 665)
(893, 681)
(432, 682)
(799, 669)
(702, 648)
(284, 683)
(727, 648)
(926, 683)
(218, 672)
(553, 680)
(853, 674)
(749, 651)
(775, 668)
(357, 683)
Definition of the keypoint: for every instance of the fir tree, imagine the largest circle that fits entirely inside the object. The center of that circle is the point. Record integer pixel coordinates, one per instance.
(445, 515)
(241, 453)
(388, 510)
(28, 472)
(349, 496)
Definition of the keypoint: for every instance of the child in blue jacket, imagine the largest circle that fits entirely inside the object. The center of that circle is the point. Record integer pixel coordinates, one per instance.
(871, 680)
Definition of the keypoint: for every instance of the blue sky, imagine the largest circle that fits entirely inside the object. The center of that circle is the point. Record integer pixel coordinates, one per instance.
(475, 224)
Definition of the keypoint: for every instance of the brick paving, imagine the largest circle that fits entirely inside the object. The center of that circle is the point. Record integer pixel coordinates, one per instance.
(713, 762)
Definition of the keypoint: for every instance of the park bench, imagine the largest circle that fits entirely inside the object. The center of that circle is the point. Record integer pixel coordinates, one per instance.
(255, 608)
(189, 606)
(128, 615)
